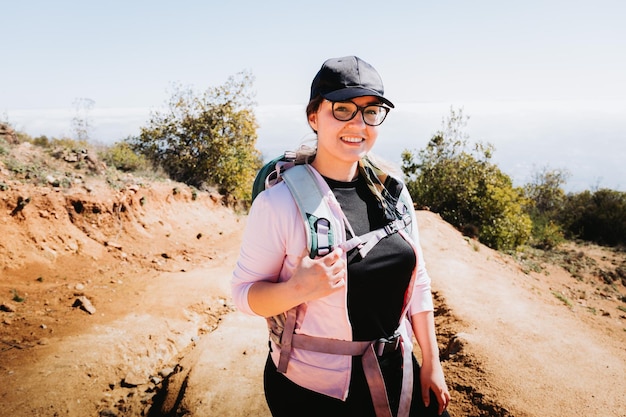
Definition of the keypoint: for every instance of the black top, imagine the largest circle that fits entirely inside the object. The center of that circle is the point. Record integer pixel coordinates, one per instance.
(378, 282)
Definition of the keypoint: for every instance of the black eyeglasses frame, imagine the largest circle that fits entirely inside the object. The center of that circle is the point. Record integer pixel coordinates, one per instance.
(360, 109)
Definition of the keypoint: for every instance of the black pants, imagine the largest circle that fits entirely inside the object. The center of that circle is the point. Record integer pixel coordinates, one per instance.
(287, 399)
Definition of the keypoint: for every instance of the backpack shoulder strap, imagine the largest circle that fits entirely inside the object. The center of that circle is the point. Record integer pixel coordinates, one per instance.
(313, 207)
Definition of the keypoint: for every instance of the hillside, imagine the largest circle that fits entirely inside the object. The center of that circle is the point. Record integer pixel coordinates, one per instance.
(115, 301)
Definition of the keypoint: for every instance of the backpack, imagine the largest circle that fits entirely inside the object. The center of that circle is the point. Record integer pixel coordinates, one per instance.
(314, 209)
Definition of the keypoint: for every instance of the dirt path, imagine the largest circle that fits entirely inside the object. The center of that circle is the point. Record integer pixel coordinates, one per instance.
(538, 356)
(521, 351)
(176, 342)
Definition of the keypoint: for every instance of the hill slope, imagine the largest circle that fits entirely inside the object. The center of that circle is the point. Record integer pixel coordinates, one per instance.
(111, 298)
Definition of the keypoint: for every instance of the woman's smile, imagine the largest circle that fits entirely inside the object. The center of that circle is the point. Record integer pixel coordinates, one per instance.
(352, 139)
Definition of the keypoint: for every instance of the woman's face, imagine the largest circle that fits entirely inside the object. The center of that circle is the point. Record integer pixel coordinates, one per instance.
(343, 142)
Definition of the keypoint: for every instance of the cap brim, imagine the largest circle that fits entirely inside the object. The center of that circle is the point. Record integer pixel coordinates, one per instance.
(354, 92)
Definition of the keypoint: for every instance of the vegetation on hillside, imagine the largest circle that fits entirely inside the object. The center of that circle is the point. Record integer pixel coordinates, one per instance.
(466, 189)
(208, 140)
(479, 199)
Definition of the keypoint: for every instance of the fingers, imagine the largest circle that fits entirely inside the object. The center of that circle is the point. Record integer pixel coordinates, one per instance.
(443, 400)
(336, 268)
(338, 280)
(322, 275)
(335, 255)
(426, 395)
(442, 397)
(329, 259)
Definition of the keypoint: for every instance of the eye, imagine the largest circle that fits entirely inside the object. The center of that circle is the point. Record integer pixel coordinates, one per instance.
(344, 107)
(372, 110)
(344, 110)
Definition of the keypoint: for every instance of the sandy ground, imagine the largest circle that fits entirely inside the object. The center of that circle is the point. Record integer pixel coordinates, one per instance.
(154, 261)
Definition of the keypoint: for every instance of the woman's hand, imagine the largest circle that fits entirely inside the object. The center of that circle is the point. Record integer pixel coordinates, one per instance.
(319, 277)
(431, 372)
(432, 379)
(312, 279)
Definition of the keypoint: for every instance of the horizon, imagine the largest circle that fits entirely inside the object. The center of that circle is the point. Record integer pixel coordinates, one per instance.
(528, 136)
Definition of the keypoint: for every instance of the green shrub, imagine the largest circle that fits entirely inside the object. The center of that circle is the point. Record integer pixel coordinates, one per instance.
(122, 157)
(206, 139)
(598, 217)
(546, 235)
(41, 141)
(68, 144)
(466, 189)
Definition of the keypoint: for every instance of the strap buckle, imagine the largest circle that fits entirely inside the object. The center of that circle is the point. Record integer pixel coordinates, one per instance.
(385, 345)
(322, 229)
(391, 228)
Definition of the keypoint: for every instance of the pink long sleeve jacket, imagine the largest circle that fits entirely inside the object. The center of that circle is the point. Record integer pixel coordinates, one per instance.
(273, 243)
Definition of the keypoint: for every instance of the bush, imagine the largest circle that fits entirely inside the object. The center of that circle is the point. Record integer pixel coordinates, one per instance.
(598, 217)
(4, 149)
(466, 189)
(41, 141)
(206, 139)
(122, 157)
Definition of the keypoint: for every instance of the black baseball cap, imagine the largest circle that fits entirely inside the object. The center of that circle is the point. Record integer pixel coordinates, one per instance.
(348, 77)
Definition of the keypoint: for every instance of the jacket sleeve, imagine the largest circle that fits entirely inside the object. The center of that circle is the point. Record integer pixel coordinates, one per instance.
(264, 247)
(422, 299)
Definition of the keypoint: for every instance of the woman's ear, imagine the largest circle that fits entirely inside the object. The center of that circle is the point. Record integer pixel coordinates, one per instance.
(313, 121)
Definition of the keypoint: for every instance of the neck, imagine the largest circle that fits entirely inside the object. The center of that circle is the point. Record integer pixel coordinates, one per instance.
(339, 172)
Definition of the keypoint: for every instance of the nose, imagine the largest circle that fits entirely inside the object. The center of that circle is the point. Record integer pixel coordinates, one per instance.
(358, 119)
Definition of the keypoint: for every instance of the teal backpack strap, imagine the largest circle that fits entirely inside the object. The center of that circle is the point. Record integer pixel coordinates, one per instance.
(271, 172)
(313, 208)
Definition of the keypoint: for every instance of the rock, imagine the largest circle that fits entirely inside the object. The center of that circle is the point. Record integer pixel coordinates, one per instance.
(7, 307)
(165, 372)
(84, 303)
(8, 134)
(133, 379)
(113, 245)
(53, 181)
(455, 345)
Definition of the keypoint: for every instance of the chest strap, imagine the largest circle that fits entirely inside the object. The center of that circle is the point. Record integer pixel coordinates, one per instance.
(367, 241)
(369, 352)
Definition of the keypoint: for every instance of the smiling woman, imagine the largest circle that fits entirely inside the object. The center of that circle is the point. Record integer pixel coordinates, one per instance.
(341, 325)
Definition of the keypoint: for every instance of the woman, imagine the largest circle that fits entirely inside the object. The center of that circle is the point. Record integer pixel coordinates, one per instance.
(360, 307)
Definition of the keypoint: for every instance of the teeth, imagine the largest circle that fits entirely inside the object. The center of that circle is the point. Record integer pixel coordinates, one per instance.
(351, 139)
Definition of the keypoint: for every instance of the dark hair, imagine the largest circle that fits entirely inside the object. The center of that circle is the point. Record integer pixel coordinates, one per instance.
(313, 106)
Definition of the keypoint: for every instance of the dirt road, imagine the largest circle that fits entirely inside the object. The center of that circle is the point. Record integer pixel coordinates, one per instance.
(522, 349)
(171, 340)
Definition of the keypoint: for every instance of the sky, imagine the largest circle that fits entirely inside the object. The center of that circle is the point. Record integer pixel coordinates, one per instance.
(544, 81)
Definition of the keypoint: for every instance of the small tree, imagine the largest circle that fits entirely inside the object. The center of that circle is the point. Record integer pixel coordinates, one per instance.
(81, 122)
(465, 188)
(121, 156)
(598, 217)
(546, 197)
(206, 139)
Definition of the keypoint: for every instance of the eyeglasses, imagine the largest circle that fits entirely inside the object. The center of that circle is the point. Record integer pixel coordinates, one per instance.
(373, 115)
